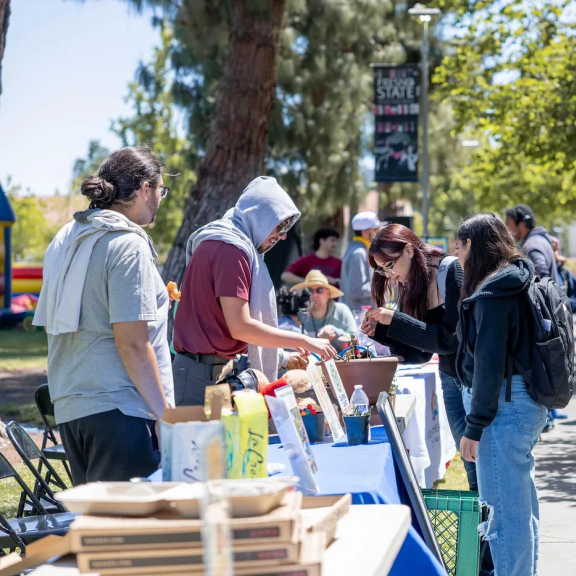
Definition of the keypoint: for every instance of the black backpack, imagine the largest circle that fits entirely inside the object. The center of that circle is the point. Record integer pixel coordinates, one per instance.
(549, 379)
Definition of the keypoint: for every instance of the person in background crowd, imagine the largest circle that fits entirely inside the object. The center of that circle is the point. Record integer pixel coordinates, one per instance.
(534, 242)
(565, 276)
(325, 245)
(105, 309)
(327, 319)
(228, 303)
(356, 279)
(428, 284)
(494, 327)
(290, 304)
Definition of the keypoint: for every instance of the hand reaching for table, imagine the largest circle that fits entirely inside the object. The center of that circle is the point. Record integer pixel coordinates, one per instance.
(368, 327)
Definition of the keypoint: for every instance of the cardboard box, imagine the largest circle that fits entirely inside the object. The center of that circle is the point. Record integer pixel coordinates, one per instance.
(309, 563)
(321, 514)
(265, 545)
(178, 560)
(37, 553)
(97, 533)
(187, 438)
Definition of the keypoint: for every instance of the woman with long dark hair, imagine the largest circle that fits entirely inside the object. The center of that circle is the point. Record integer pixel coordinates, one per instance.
(503, 422)
(427, 285)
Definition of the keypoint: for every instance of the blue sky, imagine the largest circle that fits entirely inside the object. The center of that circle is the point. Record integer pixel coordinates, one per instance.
(65, 75)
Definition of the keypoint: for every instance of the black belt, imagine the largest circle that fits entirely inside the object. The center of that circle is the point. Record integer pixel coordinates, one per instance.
(206, 358)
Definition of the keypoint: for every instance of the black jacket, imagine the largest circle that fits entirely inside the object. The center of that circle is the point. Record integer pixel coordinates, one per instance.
(536, 245)
(494, 320)
(416, 341)
(568, 279)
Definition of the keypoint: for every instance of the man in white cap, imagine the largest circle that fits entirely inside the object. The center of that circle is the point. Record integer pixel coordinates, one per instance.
(356, 277)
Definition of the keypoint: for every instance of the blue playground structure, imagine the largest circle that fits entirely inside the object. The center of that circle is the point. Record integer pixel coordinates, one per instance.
(10, 315)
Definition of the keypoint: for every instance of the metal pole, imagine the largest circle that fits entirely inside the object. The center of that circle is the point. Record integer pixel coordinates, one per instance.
(425, 170)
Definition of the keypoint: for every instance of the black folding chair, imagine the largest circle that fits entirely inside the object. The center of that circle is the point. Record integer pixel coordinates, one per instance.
(46, 408)
(20, 531)
(29, 452)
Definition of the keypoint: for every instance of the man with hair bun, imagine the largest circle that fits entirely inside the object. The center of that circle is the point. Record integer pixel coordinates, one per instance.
(105, 309)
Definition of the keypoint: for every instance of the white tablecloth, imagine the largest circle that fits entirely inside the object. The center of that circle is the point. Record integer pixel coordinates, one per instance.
(427, 437)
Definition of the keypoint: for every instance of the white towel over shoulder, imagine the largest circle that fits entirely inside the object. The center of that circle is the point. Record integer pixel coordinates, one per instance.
(66, 264)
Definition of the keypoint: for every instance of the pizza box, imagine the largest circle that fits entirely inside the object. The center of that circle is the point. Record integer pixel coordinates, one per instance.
(97, 533)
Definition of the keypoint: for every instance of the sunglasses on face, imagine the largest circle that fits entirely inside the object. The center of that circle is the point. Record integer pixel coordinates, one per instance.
(317, 290)
(284, 227)
(388, 269)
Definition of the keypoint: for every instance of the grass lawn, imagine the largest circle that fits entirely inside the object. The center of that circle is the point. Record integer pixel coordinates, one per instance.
(21, 350)
(10, 491)
(455, 478)
(23, 414)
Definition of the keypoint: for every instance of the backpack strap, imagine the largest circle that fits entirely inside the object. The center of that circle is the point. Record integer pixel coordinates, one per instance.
(510, 362)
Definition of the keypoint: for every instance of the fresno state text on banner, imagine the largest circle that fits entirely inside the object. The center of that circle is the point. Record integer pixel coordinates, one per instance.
(396, 109)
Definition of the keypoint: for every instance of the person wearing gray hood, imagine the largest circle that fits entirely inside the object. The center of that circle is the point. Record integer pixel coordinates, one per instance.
(228, 304)
(534, 241)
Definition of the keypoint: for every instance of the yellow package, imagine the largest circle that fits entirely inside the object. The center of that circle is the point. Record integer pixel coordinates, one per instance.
(231, 423)
(253, 420)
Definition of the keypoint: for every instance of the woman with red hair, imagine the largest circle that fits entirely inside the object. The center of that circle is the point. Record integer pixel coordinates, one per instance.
(426, 283)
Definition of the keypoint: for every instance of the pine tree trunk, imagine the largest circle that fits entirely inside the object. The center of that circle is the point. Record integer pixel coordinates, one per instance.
(239, 126)
(4, 18)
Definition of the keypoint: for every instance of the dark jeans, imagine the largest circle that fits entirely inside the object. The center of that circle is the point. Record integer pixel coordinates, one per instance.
(110, 446)
(452, 390)
(192, 377)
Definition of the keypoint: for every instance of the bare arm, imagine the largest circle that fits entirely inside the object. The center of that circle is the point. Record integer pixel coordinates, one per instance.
(244, 328)
(139, 359)
(291, 278)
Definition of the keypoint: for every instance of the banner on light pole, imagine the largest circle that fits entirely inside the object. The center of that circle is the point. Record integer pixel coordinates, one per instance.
(396, 110)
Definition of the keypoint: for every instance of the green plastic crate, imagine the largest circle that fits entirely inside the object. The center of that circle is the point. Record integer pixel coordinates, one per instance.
(455, 516)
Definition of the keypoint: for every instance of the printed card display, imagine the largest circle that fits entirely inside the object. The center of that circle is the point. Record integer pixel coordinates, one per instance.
(337, 385)
(286, 393)
(299, 453)
(315, 376)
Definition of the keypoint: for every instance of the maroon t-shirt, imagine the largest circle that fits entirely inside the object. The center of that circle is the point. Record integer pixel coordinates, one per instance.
(328, 266)
(216, 270)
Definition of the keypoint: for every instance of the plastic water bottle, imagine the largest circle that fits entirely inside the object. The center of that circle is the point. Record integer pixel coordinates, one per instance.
(359, 400)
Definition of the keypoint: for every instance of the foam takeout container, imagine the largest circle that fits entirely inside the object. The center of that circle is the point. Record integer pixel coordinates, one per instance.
(247, 497)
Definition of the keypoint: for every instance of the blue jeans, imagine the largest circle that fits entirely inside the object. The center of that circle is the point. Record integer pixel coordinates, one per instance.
(506, 471)
(451, 389)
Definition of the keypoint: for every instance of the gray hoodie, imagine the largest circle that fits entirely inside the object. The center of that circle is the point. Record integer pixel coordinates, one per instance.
(356, 277)
(537, 247)
(260, 208)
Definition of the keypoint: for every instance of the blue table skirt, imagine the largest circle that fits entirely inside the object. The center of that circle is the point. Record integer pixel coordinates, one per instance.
(367, 472)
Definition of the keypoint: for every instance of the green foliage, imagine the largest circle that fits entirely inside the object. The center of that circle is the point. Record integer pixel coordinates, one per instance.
(31, 233)
(323, 95)
(155, 124)
(85, 167)
(509, 77)
(451, 190)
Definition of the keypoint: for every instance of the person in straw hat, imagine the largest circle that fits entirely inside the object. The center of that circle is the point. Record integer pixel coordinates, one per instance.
(328, 319)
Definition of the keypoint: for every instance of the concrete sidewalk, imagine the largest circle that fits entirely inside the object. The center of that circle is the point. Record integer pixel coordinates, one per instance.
(556, 482)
